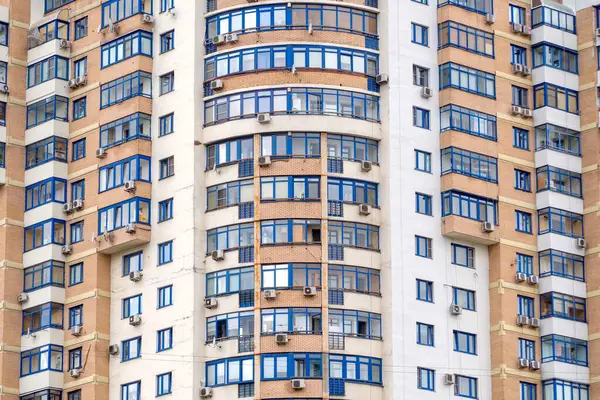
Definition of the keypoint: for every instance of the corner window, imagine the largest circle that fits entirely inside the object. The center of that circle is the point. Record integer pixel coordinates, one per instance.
(165, 296)
(78, 190)
(167, 83)
(420, 76)
(165, 210)
(133, 262)
(75, 274)
(423, 204)
(78, 150)
(132, 306)
(423, 247)
(76, 316)
(425, 291)
(166, 124)
(81, 28)
(79, 108)
(165, 252)
(422, 161)
(517, 15)
(420, 34)
(164, 339)
(465, 342)
(77, 232)
(167, 41)
(163, 384)
(518, 55)
(80, 68)
(425, 334)
(167, 167)
(420, 118)
(426, 379)
(463, 256)
(131, 349)
(75, 358)
(523, 222)
(521, 138)
(522, 180)
(520, 96)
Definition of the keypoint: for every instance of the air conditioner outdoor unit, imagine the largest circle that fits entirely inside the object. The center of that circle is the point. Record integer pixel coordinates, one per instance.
(264, 161)
(525, 30)
(64, 44)
(76, 330)
(382, 78)
(4, 89)
(100, 153)
(217, 40)
(264, 118)
(135, 320)
(521, 277)
(366, 166)
(449, 379)
(581, 243)
(81, 80)
(231, 38)
(527, 113)
(298, 384)
(526, 70)
(113, 349)
(534, 365)
(522, 320)
(533, 279)
(22, 297)
(534, 322)
(218, 255)
(490, 18)
(281, 338)
(136, 276)
(73, 83)
(130, 228)
(66, 249)
(75, 372)
(426, 92)
(67, 208)
(364, 209)
(147, 19)
(270, 294)
(211, 302)
(455, 309)
(598, 32)
(205, 392)
(129, 186)
(517, 68)
(487, 226)
(310, 291)
(523, 363)
(217, 84)
(77, 204)
(515, 110)
(516, 28)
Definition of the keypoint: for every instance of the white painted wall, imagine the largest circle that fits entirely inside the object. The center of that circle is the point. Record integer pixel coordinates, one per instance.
(400, 266)
(186, 316)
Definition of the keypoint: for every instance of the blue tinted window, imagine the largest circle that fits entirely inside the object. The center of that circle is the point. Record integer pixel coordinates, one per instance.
(165, 296)
(424, 290)
(423, 204)
(425, 334)
(420, 34)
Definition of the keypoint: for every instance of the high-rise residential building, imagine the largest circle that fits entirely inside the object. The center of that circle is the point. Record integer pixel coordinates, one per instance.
(301, 199)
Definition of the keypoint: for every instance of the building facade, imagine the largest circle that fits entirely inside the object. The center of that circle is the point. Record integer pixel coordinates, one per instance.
(307, 199)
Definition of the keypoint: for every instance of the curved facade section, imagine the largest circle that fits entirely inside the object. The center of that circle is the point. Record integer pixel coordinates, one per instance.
(288, 200)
